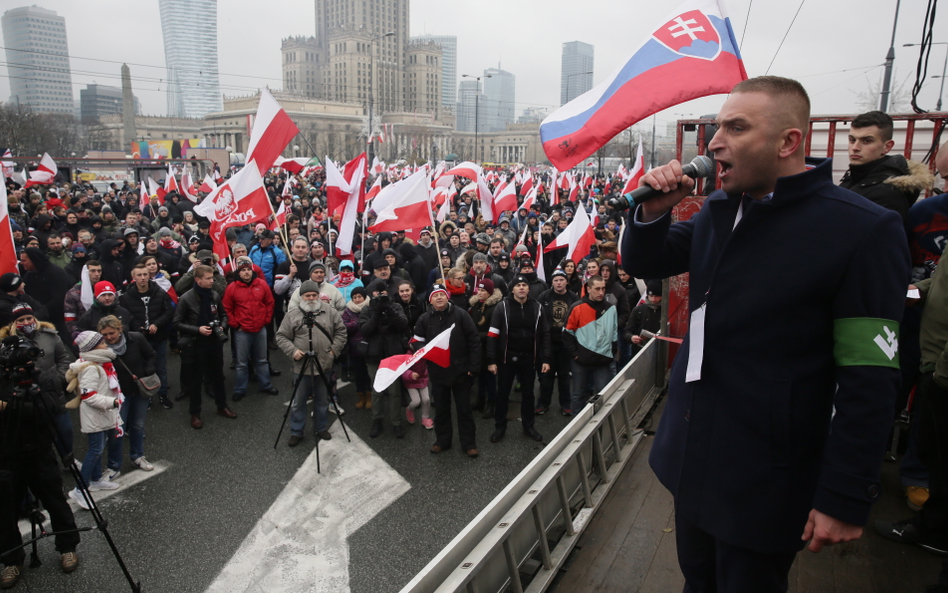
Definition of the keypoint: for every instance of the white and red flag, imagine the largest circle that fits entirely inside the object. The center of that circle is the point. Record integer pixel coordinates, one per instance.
(187, 185)
(437, 351)
(377, 166)
(637, 172)
(403, 205)
(506, 199)
(375, 189)
(8, 257)
(272, 131)
(352, 185)
(171, 184)
(208, 185)
(531, 198)
(142, 193)
(155, 190)
(45, 173)
(527, 185)
(578, 236)
(240, 200)
(6, 164)
(279, 218)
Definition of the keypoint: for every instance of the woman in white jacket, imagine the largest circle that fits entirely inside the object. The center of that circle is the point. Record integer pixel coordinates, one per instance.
(99, 397)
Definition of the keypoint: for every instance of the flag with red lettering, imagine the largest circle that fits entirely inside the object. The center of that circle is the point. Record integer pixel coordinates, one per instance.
(691, 54)
(240, 200)
(437, 351)
(578, 236)
(272, 131)
(45, 173)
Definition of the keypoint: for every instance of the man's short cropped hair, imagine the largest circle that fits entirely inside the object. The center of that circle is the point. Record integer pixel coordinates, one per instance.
(782, 88)
(875, 118)
(202, 271)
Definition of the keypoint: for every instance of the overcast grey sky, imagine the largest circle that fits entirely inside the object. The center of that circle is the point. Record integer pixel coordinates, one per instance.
(836, 48)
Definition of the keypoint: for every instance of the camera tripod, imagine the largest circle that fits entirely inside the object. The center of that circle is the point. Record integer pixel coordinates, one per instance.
(23, 374)
(311, 362)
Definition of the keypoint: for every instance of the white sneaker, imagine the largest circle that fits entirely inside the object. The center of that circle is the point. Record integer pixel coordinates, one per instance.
(78, 464)
(111, 475)
(80, 500)
(143, 464)
(333, 407)
(104, 484)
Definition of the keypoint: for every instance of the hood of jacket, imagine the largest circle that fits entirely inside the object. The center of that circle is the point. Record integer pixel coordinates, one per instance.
(40, 260)
(493, 299)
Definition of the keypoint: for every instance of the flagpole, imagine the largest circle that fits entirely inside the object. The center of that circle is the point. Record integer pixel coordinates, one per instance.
(282, 228)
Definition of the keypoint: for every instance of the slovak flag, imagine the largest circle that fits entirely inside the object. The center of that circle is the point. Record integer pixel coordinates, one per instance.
(45, 173)
(437, 351)
(638, 171)
(692, 54)
(578, 236)
(272, 131)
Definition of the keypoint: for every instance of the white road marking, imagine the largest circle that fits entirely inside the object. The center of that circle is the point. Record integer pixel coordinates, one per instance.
(300, 543)
(126, 480)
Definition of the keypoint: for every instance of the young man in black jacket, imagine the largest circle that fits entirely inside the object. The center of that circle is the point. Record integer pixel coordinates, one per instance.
(456, 379)
(556, 303)
(152, 309)
(384, 327)
(201, 349)
(518, 341)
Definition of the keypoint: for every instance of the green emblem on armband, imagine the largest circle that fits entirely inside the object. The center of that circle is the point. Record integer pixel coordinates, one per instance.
(866, 341)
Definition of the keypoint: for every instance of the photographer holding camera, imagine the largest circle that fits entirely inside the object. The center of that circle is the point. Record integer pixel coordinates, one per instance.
(199, 320)
(384, 327)
(317, 320)
(27, 423)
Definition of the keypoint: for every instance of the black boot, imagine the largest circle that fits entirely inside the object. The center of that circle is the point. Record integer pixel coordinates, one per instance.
(488, 411)
(377, 426)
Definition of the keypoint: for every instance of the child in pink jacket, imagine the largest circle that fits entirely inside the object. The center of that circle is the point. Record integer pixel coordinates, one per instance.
(416, 382)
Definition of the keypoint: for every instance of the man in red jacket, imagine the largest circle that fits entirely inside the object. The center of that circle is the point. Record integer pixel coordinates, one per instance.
(248, 302)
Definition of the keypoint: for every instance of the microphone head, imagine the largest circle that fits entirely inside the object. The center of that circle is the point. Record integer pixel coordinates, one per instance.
(703, 166)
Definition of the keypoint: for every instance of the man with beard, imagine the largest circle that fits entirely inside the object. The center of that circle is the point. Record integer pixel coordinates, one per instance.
(293, 338)
(55, 251)
(479, 271)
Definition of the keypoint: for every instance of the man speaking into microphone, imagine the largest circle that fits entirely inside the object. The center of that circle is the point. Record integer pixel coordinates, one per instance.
(780, 398)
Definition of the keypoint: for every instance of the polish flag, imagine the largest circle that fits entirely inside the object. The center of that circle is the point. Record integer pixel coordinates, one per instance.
(407, 205)
(208, 185)
(437, 351)
(218, 179)
(45, 173)
(171, 184)
(340, 185)
(241, 200)
(573, 189)
(294, 166)
(187, 185)
(7, 165)
(638, 171)
(527, 185)
(279, 219)
(8, 257)
(142, 194)
(506, 199)
(541, 271)
(530, 199)
(156, 190)
(465, 169)
(444, 210)
(578, 236)
(354, 176)
(288, 187)
(375, 189)
(272, 131)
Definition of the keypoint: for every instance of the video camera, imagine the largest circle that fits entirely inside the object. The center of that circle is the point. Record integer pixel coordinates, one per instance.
(18, 359)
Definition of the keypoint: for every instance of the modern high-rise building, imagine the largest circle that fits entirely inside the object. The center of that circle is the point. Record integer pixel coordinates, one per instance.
(449, 65)
(97, 100)
(189, 29)
(500, 93)
(576, 71)
(38, 59)
(468, 101)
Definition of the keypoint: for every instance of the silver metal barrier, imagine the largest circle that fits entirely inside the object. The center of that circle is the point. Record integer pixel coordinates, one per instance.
(523, 537)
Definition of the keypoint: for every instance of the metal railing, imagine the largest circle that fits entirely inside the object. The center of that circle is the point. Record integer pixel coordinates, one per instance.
(522, 538)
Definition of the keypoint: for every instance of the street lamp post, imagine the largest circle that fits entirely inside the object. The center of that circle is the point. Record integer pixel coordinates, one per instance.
(944, 67)
(477, 97)
(568, 76)
(371, 97)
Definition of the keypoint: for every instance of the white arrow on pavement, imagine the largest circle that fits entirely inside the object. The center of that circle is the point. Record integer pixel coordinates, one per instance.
(300, 544)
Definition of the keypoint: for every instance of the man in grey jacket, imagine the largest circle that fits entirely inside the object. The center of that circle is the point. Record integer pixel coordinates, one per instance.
(293, 338)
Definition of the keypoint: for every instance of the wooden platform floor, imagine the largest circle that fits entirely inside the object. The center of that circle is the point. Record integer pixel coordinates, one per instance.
(630, 546)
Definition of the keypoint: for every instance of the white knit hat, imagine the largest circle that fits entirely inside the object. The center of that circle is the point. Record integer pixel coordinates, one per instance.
(88, 340)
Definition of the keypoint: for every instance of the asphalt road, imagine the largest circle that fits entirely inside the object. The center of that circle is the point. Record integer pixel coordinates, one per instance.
(179, 527)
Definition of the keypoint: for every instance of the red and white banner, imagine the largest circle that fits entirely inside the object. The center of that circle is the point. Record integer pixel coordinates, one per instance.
(437, 351)
(240, 200)
(44, 174)
(406, 205)
(272, 131)
(8, 258)
(579, 236)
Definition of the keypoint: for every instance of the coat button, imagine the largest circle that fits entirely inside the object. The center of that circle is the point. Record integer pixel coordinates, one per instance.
(873, 491)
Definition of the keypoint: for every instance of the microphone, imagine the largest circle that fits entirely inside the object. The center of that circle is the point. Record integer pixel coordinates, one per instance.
(701, 166)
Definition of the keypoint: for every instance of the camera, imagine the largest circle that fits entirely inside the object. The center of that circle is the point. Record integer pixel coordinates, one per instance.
(18, 358)
(383, 299)
(218, 332)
